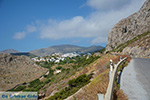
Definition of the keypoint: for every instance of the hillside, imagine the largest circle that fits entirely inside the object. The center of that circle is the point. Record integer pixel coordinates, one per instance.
(8, 51)
(23, 54)
(75, 74)
(136, 47)
(15, 52)
(69, 87)
(129, 28)
(17, 69)
(65, 49)
(140, 47)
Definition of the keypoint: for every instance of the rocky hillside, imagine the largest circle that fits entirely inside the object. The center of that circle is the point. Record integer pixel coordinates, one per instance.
(65, 49)
(17, 69)
(139, 48)
(130, 27)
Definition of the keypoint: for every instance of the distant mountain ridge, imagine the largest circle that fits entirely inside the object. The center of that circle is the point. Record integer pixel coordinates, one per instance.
(8, 51)
(54, 49)
(15, 52)
(24, 53)
(65, 49)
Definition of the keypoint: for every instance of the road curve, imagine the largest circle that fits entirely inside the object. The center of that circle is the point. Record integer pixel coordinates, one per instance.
(135, 79)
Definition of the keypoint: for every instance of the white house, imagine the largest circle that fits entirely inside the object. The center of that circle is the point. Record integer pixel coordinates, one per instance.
(58, 71)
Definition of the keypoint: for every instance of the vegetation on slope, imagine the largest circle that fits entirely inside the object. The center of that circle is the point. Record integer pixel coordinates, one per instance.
(74, 86)
(76, 73)
(122, 46)
(99, 83)
(68, 68)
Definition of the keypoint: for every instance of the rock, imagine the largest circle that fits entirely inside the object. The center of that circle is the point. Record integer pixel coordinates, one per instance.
(140, 48)
(130, 27)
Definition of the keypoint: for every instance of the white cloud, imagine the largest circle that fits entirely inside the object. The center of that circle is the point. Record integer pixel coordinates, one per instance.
(31, 28)
(19, 35)
(96, 25)
(22, 35)
(75, 27)
(107, 4)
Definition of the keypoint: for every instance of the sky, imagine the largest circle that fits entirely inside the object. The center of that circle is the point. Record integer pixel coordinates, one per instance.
(27, 25)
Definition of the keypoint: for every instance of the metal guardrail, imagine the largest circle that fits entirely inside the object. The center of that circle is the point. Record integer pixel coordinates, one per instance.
(112, 77)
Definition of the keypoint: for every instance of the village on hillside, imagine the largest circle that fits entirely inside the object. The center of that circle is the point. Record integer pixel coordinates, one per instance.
(57, 57)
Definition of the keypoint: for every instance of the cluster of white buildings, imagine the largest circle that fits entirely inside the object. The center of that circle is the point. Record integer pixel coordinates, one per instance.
(56, 57)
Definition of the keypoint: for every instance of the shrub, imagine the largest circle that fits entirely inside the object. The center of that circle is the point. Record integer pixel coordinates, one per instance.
(24, 83)
(19, 88)
(74, 86)
(59, 67)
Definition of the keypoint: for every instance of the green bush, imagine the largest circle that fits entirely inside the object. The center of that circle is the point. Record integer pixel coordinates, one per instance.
(74, 86)
(74, 66)
(19, 88)
(81, 80)
(59, 67)
(51, 73)
(35, 83)
(24, 83)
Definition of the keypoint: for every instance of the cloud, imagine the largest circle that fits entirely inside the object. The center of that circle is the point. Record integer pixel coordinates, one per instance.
(19, 35)
(107, 4)
(96, 25)
(75, 27)
(31, 28)
(22, 35)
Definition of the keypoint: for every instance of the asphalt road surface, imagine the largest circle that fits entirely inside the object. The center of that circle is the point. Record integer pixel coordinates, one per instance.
(135, 79)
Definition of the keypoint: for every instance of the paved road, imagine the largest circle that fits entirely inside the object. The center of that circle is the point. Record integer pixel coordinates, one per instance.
(135, 79)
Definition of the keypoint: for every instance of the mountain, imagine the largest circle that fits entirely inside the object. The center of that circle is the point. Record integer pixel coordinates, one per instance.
(65, 49)
(8, 51)
(125, 31)
(17, 69)
(15, 52)
(24, 53)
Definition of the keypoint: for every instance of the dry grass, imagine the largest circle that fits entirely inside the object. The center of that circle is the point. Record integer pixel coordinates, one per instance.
(98, 85)
(118, 93)
(100, 81)
(121, 96)
(100, 65)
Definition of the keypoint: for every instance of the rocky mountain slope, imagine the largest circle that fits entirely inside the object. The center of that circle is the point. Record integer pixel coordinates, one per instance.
(139, 48)
(17, 69)
(130, 27)
(65, 49)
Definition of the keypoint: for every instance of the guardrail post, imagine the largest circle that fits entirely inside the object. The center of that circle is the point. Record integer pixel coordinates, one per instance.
(111, 69)
(111, 65)
(100, 96)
